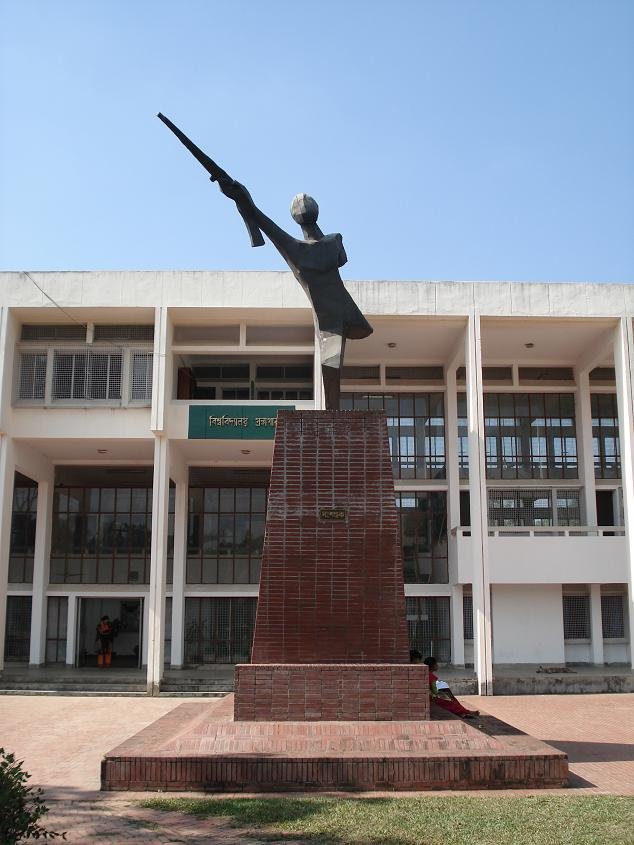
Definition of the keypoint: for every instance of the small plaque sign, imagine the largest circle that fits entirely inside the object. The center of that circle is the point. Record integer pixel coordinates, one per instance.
(333, 514)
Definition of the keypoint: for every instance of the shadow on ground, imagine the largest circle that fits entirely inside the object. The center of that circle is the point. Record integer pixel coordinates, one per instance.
(594, 752)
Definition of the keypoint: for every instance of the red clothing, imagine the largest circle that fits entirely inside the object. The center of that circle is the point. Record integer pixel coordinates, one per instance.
(450, 704)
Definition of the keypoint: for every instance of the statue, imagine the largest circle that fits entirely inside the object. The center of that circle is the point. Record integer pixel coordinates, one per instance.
(314, 261)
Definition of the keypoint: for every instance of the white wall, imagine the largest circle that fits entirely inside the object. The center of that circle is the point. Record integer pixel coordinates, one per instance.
(528, 624)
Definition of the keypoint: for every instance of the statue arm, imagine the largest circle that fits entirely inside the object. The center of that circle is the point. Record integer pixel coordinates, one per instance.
(242, 198)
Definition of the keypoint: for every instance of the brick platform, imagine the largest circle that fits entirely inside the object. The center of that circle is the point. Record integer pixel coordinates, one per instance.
(200, 747)
(350, 692)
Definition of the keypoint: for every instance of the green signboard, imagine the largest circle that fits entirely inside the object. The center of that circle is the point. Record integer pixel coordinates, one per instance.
(234, 422)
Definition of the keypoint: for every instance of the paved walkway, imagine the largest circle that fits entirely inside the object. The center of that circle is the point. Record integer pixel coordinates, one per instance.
(62, 740)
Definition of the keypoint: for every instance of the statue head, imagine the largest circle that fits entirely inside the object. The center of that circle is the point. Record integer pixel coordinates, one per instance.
(304, 210)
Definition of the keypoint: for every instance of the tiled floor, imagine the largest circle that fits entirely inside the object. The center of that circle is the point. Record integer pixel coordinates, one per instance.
(62, 741)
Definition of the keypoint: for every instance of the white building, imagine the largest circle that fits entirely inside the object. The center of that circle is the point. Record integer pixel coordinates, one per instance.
(510, 414)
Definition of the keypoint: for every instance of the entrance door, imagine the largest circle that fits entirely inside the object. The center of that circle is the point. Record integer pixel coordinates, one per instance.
(126, 616)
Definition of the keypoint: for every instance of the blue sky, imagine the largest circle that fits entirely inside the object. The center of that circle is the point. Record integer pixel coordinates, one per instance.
(445, 140)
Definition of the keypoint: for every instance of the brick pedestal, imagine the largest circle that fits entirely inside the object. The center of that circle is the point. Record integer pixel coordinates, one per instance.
(331, 587)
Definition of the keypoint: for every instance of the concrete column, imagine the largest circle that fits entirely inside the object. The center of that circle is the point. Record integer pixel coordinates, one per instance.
(7, 475)
(623, 365)
(156, 598)
(584, 445)
(457, 626)
(451, 449)
(596, 624)
(41, 566)
(483, 645)
(71, 630)
(178, 580)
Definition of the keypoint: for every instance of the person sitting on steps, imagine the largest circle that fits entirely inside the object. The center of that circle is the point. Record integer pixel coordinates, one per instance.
(439, 690)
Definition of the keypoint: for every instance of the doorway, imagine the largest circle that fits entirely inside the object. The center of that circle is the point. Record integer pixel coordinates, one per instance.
(605, 508)
(126, 616)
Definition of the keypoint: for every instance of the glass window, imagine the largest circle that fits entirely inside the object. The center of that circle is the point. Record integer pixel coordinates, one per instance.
(529, 435)
(102, 535)
(23, 521)
(605, 435)
(416, 429)
(225, 534)
(423, 526)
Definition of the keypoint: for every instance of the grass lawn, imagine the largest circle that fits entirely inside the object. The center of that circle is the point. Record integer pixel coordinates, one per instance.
(428, 820)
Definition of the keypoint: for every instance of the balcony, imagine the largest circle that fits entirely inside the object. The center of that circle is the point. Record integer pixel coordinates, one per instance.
(546, 555)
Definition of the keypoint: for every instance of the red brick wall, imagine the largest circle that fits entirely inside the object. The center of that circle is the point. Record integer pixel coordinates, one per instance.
(331, 592)
(342, 692)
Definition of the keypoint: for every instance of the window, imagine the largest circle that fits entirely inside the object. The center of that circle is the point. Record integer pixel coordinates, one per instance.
(56, 629)
(467, 615)
(23, 522)
(219, 630)
(428, 626)
(463, 437)
(102, 535)
(576, 608)
(141, 377)
(32, 376)
(613, 616)
(225, 534)
(423, 527)
(530, 435)
(87, 375)
(534, 507)
(416, 429)
(605, 436)
(17, 640)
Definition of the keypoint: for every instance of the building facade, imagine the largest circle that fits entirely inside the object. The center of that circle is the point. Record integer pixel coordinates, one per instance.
(137, 420)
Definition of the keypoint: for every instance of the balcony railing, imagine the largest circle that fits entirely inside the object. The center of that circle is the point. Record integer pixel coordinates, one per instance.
(546, 531)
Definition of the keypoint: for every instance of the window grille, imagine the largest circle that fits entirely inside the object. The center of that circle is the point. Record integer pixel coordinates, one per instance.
(534, 507)
(56, 629)
(141, 377)
(123, 333)
(463, 437)
(423, 529)
(416, 429)
(428, 624)
(17, 641)
(367, 374)
(603, 375)
(37, 332)
(167, 641)
(89, 374)
(576, 610)
(414, 374)
(529, 375)
(467, 615)
(219, 630)
(23, 522)
(605, 435)
(32, 376)
(613, 616)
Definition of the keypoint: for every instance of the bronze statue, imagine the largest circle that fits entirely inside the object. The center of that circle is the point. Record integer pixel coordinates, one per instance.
(315, 262)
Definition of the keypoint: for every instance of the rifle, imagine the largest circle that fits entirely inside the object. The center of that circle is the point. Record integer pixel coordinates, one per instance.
(216, 174)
